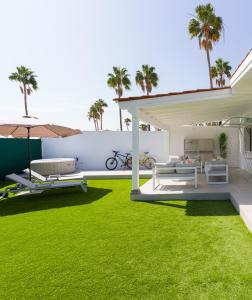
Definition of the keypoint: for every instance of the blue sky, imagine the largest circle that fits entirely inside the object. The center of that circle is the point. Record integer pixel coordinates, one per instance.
(72, 45)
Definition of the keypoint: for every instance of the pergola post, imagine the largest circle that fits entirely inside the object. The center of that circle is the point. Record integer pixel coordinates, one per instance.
(135, 153)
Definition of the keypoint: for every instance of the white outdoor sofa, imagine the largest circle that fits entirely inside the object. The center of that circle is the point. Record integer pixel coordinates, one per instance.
(216, 172)
(174, 171)
(193, 160)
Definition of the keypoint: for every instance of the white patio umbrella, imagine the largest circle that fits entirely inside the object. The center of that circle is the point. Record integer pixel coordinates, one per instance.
(27, 126)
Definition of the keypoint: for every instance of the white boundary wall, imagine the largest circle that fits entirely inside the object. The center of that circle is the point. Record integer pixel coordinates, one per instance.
(178, 134)
(93, 148)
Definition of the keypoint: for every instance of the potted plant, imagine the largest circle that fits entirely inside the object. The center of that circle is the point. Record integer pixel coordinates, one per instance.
(223, 145)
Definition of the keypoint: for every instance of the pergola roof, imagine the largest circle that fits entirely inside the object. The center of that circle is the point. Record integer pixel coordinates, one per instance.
(167, 94)
(194, 106)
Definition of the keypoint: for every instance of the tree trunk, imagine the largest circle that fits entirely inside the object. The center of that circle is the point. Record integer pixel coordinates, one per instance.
(25, 100)
(101, 121)
(221, 81)
(209, 67)
(148, 125)
(120, 116)
(119, 94)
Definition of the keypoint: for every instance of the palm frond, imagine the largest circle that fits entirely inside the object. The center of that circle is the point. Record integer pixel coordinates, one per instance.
(147, 78)
(206, 26)
(118, 80)
(25, 76)
(220, 70)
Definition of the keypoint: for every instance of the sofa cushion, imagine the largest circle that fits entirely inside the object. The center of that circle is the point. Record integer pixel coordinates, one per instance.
(163, 168)
(215, 164)
(174, 158)
(185, 171)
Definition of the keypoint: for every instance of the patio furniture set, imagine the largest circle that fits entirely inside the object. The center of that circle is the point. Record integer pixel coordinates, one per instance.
(216, 171)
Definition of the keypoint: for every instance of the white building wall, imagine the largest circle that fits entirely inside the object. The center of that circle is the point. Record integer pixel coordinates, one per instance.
(93, 148)
(178, 134)
(245, 157)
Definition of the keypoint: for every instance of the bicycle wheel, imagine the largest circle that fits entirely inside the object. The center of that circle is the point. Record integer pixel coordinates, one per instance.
(129, 163)
(111, 163)
(149, 162)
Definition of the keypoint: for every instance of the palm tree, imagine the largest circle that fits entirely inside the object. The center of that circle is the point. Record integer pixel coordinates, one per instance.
(143, 127)
(220, 70)
(127, 122)
(94, 115)
(27, 81)
(207, 27)
(147, 78)
(118, 80)
(90, 116)
(100, 104)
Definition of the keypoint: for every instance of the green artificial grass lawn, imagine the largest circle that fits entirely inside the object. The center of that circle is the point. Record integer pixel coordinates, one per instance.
(100, 245)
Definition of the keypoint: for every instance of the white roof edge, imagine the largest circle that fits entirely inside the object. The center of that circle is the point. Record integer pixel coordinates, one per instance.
(244, 67)
(175, 99)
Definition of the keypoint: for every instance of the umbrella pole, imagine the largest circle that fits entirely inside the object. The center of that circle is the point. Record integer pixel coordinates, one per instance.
(29, 151)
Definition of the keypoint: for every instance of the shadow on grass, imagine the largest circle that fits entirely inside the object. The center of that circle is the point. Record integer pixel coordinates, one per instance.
(201, 207)
(4, 184)
(50, 199)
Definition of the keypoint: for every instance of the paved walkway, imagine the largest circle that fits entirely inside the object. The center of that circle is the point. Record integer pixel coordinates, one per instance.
(115, 174)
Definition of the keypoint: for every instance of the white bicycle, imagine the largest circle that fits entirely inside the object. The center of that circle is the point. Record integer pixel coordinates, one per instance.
(144, 160)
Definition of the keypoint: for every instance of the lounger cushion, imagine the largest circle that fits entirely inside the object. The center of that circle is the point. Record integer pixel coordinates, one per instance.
(185, 171)
(164, 168)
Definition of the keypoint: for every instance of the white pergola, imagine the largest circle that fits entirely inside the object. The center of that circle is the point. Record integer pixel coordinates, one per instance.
(189, 107)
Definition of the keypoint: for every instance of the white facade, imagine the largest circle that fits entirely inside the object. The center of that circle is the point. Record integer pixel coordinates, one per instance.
(171, 110)
(178, 134)
(93, 148)
(245, 157)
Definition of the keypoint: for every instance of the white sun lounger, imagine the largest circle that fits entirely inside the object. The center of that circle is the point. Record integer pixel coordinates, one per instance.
(24, 184)
(54, 177)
